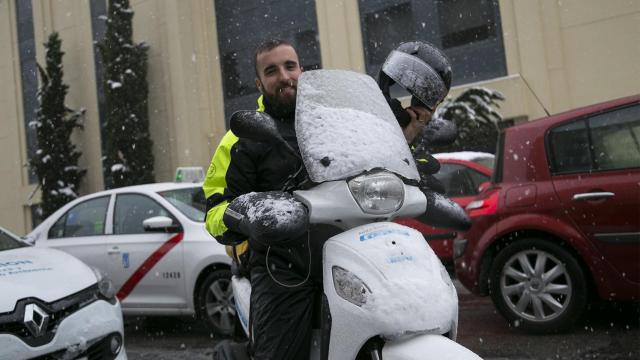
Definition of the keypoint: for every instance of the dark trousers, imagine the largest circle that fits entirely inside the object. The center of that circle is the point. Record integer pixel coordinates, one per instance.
(282, 301)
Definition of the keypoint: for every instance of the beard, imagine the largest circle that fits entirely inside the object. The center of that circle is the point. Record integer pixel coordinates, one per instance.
(279, 105)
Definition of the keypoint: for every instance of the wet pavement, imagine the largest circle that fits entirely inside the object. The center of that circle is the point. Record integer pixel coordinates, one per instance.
(608, 332)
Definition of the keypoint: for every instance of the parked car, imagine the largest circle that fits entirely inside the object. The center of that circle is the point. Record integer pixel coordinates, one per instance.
(461, 173)
(561, 217)
(151, 241)
(54, 306)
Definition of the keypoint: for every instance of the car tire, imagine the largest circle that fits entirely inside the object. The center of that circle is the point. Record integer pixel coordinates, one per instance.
(538, 286)
(215, 305)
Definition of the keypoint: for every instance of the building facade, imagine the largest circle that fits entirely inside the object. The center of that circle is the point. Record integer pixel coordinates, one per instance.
(540, 54)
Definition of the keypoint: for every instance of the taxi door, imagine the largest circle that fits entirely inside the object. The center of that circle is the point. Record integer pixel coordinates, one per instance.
(146, 267)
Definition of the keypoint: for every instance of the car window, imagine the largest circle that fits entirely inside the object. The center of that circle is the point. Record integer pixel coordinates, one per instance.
(85, 219)
(485, 161)
(189, 201)
(569, 145)
(477, 178)
(616, 139)
(606, 141)
(455, 180)
(131, 210)
(7, 242)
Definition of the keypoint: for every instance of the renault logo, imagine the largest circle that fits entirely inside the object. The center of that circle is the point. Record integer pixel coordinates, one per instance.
(35, 319)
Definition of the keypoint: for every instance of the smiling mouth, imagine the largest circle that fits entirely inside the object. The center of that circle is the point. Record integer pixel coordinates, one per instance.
(283, 89)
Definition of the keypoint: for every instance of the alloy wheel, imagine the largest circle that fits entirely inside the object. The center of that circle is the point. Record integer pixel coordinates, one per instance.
(219, 304)
(535, 285)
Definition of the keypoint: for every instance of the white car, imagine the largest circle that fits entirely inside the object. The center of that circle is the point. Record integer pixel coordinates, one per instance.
(53, 306)
(151, 242)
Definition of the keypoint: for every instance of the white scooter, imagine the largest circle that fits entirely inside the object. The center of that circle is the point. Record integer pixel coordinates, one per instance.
(386, 294)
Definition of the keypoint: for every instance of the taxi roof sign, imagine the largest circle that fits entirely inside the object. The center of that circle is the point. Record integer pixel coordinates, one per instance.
(192, 174)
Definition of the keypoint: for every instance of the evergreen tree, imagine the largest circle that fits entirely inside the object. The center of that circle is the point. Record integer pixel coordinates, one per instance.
(129, 157)
(56, 159)
(476, 120)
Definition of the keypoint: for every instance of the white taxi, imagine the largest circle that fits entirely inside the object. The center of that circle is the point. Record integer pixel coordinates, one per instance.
(53, 306)
(150, 240)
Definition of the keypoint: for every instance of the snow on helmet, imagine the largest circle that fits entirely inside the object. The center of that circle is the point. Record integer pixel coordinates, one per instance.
(420, 68)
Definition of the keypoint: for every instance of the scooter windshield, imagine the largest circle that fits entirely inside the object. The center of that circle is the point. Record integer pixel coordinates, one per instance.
(345, 127)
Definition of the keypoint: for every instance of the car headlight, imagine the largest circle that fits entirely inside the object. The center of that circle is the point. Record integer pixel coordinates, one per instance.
(377, 193)
(350, 287)
(106, 289)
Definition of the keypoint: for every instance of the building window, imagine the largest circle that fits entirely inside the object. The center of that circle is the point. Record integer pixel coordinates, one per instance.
(28, 76)
(468, 31)
(242, 25)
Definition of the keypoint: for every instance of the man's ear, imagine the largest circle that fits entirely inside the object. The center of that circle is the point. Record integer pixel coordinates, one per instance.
(259, 85)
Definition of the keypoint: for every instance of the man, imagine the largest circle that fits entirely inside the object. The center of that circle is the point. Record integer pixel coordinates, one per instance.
(282, 293)
(215, 181)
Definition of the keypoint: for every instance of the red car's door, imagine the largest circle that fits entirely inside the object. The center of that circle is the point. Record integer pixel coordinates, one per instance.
(596, 165)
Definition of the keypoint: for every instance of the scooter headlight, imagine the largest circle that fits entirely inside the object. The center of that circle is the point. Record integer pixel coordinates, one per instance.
(377, 193)
(350, 287)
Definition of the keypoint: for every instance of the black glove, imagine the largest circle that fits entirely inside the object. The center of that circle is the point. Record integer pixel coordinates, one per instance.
(427, 166)
(399, 112)
(442, 212)
(267, 217)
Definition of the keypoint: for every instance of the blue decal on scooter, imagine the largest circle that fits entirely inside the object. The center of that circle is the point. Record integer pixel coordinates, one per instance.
(382, 232)
(125, 260)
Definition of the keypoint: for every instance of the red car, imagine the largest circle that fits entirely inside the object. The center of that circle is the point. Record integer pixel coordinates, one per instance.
(461, 173)
(560, 221)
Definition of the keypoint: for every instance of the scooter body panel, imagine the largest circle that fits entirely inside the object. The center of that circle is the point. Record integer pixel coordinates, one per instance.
(426, 346)
(332, 203)
(410, 292)
(242, 297)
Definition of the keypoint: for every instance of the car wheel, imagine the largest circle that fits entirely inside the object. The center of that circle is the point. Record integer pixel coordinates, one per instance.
(538, 286)
(215, 302)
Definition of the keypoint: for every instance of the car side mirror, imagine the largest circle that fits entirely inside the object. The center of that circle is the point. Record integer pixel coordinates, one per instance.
(484, 186)
(160, 224)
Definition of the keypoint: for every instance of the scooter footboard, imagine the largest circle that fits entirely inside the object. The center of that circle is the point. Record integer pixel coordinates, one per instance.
(425, 347)
(242, 298)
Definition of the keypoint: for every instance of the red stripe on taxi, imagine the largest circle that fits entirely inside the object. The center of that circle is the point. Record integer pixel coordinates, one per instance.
(151, 261)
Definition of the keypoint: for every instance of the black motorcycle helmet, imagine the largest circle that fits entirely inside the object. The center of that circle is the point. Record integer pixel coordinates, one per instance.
(421, 69)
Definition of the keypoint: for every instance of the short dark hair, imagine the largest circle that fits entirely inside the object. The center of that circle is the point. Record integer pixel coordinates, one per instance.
(267, 45)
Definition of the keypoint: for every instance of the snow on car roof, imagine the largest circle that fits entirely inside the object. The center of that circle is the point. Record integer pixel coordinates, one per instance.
(155, 187)
(464, 155)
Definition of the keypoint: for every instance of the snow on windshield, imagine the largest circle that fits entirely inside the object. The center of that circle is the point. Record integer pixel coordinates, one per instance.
(344, 127)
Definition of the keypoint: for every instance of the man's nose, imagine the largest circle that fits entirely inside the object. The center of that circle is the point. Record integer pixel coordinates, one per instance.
(283, 75)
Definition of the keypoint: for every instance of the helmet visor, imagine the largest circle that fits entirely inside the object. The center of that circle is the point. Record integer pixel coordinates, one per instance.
(420, 79)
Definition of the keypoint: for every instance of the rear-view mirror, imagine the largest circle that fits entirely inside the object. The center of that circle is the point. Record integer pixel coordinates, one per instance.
(258, 126)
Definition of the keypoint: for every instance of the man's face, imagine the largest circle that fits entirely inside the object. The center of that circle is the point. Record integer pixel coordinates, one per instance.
(278, 71)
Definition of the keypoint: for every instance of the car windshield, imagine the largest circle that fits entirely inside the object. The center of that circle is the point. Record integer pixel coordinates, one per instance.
(189, 201)
(8, 242)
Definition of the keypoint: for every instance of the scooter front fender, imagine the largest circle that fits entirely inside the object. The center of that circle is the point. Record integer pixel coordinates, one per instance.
(427, 346)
